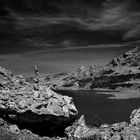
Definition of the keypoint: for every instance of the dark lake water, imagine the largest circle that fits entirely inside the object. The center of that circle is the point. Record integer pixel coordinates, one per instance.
(95, 106)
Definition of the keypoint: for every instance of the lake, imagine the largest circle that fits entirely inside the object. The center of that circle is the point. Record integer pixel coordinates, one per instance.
(99, 107)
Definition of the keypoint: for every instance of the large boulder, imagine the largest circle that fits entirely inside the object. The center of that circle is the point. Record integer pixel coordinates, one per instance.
(43, 107)
(34, 106)
(41, 102)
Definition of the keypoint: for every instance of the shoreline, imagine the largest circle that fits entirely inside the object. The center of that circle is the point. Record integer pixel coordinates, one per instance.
(122, 94)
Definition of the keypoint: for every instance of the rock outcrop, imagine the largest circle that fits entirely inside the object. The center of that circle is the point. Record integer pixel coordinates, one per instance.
(41, 102)
(27, 106)
(130, 58)
(78, 129)
(135, 117)
(118, 131)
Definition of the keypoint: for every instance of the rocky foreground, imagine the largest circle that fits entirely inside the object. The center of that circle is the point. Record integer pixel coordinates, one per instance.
(79, 130)
(118, 131)
(33, 106)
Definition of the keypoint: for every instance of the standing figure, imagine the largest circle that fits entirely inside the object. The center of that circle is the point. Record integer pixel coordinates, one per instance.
(36, 78)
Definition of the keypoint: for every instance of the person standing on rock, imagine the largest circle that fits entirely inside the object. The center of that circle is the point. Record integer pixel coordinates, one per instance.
(36, 78)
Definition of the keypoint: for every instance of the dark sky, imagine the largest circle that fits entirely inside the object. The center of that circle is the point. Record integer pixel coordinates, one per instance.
(54, 34)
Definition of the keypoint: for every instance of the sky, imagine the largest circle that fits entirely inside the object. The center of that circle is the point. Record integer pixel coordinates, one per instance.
(61, 35)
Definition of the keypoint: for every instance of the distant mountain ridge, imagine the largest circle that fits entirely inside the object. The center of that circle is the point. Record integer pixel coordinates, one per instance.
(121, 74)
(130, 58)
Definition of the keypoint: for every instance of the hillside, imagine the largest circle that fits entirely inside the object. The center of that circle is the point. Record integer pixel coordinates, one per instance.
(120, 75)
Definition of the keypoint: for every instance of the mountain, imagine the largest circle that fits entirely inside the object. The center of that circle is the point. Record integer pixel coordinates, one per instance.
(121, 76)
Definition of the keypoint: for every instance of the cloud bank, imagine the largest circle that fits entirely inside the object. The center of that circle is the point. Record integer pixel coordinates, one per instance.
(58, 24)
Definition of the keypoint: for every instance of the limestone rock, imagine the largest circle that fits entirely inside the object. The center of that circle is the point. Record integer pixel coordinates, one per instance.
(135, 117)
(29, 102)
(116, 137)
(118, 127)
(77, 129)
(131, 133)
(22, 104)
(14, 129)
